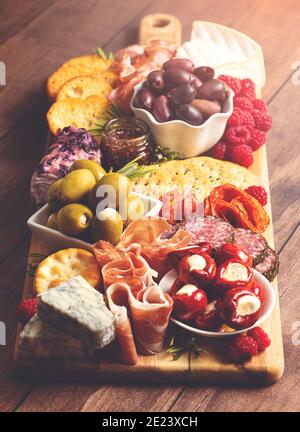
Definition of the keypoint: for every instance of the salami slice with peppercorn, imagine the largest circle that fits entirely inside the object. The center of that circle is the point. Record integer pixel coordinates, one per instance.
(209, 229)
(252, 243)
(270, 265)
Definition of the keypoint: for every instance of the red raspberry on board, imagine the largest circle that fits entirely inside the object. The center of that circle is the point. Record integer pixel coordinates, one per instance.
(258, 138)
(259, 193)
(236, 118)
(233, 83)
(26, 310)
(219, 150)
(242, 102)
(260, 337)
(247, 84)
(259, 105)
(263, 121)
(242, 155)
(248, 120)
(237, 135)
(242, 348)
(249, 94)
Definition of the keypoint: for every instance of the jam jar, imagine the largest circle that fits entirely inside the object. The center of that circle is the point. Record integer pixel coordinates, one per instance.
(124, 139)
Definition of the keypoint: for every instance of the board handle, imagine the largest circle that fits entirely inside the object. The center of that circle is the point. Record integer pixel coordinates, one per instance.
(160, 26)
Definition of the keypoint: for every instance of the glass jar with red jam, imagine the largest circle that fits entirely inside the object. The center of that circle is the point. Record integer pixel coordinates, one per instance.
(123, 140)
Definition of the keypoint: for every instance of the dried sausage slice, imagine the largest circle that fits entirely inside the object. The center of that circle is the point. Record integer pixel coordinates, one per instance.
(252, 243)
(270, 265)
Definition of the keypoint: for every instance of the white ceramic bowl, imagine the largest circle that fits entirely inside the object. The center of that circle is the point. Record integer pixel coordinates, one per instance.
(185, 139)
(55, 240)
(267, 307)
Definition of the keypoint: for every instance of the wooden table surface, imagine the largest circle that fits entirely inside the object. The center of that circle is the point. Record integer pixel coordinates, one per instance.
(36, 36)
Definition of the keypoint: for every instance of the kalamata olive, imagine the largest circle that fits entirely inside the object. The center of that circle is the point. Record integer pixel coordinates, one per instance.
(207, 108)
(183, 94)
(156, 81)
(212, 90)
(197, 82)
(161, 109)
(144, 99)
(204, 73)
(177, 76)
(185, 64)
(189, 114)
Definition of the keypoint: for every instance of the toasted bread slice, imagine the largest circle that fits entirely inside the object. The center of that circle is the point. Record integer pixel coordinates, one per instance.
(83, 87)
(88, 62)
(81, 113)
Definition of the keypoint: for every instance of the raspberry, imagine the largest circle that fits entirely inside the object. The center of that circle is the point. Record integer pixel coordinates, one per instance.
(263, 121)
(249, 94)
(242, 155)
(242, 348)
(259, 105)
(242, 102)
(237, 135)
(233, 83)
(248, 120)
(26, 310)
(258, 138)
(260, 337)
(259, 193)
(219, 150)
(247, 84)
(236, 117)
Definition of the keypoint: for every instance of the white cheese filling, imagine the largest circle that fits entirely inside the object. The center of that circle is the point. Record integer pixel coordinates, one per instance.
(247, 305)
(196, 262)
(187, 289)
(235, 271)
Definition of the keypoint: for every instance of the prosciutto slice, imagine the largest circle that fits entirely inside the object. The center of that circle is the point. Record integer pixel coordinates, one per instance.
(141, 309)
(150, 234)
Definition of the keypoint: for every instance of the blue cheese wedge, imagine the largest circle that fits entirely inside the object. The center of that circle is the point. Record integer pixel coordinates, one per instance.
(40, 340)
(76, 308)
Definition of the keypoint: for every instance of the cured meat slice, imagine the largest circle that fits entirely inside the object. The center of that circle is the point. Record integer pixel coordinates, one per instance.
(149, 233)
(150, 314)
(140, 307)
(209, 229)
(252, 243)
(270, 265)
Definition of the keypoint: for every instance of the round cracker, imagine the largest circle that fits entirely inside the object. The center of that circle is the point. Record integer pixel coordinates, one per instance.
(66, 264)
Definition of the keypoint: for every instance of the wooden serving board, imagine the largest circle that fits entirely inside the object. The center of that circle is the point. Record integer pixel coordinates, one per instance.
(210, 367)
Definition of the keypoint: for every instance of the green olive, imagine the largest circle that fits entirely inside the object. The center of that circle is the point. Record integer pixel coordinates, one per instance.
(76, 186)
(91, 165)
(52, 196)
(107, 225)
(74, 219)
(110, 188)
(135, 208)
(52, 221)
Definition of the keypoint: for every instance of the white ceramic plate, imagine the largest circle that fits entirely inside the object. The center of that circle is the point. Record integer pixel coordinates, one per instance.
(55, 240)
(267, 307)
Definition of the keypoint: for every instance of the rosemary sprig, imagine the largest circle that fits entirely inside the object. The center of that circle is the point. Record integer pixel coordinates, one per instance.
(101, 53)
(163, 154)
(182, 342)
(111, 113)
(133, 170)
(34, 264)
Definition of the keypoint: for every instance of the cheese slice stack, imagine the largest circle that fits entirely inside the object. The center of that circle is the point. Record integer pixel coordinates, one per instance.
(72, 321)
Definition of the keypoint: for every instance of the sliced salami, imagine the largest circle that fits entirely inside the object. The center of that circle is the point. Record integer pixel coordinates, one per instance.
(270, 265)
(215, 231)
(252, 243)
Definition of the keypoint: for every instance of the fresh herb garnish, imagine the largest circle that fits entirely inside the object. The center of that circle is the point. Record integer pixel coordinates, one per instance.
(132, 169)
(111, 113)
(163, 154)
(181, 342)
(101, 53)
